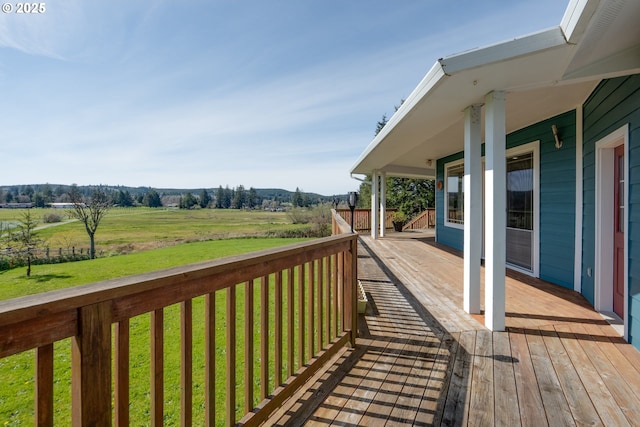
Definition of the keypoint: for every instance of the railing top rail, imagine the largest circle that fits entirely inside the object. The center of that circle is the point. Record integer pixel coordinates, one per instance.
(343, 225)
(218, 274)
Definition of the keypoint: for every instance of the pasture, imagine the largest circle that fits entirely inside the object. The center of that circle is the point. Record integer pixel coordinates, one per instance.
(127, 230)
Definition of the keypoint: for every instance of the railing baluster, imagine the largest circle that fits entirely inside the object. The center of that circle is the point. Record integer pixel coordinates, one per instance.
(122, 373)
(157, 367)
(248, 346)
(301, 292)
(351, 298)
(334, 294)
(319, 322)
(231, 355)
(327, 300)
(44, 386)
(277, 362)
(264, 337)
(210, 359)
(341, 276)
(290, 332)
(186, 357)
(310, 309)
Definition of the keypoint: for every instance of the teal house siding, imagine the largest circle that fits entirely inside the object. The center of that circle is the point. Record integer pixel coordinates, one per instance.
(557, 197)
(449, 236)
(613, 104)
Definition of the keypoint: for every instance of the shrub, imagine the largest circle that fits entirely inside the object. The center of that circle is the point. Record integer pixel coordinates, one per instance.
(51, 218)
(298, 216)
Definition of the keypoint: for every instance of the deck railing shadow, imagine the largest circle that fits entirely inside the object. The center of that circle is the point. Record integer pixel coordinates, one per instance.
(397, 335)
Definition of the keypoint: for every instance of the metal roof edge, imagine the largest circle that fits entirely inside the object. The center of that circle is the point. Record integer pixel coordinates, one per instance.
(577, 17)
(430, 81)
(521, 46)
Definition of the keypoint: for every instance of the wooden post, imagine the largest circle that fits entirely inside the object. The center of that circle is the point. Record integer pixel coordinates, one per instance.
(350, 296)
(91, 366)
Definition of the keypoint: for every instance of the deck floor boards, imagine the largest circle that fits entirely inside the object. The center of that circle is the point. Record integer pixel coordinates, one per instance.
(421, 360)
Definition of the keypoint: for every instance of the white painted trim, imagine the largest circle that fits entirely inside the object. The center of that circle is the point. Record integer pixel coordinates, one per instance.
(445, 204)
(374, 204)
(603, 268)
(534, 148)
(495, 206)
(521, 46)
(472, 208)
(383, 202)
(577, 262)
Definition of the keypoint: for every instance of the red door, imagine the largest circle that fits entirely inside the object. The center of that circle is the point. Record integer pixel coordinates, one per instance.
(618, 232)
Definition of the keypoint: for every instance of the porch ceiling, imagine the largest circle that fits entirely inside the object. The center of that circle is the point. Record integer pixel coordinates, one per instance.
(543, 74)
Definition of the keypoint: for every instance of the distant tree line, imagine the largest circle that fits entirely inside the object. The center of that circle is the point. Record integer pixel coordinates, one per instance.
(410, 196)
(42, 195)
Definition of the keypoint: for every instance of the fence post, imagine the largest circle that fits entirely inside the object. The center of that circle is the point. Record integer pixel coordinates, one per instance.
(91, 366)
(349, 289)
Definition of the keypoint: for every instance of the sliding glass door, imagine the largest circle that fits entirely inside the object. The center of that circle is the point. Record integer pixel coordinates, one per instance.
(520, 210)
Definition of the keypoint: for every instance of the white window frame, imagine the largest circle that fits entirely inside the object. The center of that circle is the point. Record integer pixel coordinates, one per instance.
(445, 205)
(534, 148)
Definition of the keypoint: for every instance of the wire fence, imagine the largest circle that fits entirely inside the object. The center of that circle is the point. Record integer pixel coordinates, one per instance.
(12, 257)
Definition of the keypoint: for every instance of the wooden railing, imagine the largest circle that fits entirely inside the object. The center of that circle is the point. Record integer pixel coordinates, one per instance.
(362, 218)
(303, 294)
(426, 219)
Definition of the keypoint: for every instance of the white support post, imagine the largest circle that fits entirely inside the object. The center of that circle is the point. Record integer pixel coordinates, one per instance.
(383, 202)
(472, 208)
(374, 205)
(495, 211)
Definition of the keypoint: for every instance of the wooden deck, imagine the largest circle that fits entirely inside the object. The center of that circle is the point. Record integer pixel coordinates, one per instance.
(420, 360)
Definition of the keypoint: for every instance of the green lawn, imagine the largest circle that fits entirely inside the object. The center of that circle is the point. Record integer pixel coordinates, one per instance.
(16, 393)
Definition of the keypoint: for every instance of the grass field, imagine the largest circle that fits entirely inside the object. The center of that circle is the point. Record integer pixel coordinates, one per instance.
(126, 230)
(140, 229)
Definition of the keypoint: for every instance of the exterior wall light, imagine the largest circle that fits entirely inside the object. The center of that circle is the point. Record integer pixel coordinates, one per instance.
(554, 129)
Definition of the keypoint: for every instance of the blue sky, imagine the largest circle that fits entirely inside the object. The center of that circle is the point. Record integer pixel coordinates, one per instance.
(194, 94)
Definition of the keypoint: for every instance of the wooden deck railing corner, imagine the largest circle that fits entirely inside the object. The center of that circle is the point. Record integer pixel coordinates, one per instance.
(316, 282)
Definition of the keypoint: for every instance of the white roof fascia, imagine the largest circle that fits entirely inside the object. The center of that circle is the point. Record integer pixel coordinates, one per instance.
(577, 17)
(428, 83)
(409, 172)
(628, 61)
(521, 46)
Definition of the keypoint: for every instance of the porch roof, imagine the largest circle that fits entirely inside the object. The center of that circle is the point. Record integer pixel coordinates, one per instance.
(543, 74)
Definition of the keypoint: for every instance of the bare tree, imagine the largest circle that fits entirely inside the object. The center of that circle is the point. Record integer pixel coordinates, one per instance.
(90, 213)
